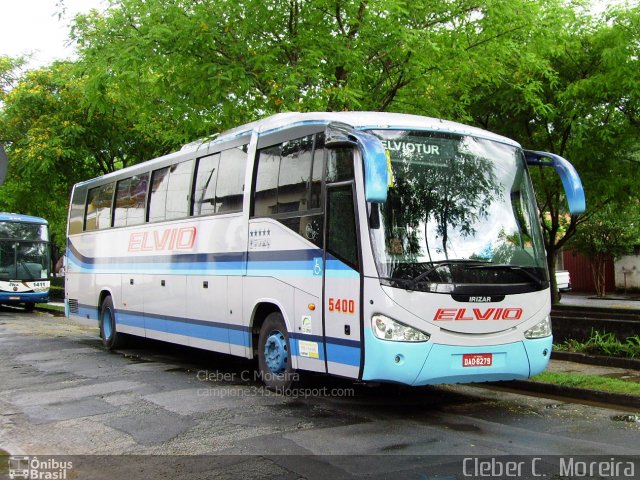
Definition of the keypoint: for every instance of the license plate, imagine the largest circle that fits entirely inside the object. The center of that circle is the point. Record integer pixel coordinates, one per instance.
(477, 359)
(14, 298)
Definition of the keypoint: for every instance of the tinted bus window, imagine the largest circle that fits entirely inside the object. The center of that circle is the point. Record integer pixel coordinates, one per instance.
(204, 193)
(295, 170)
(98, 211)
(76, 212)
(230, 185)
(158, 194)
(342, 239)
(130, 201)
(178, 190)
(266, 196)
(316, 173)
(340, 165)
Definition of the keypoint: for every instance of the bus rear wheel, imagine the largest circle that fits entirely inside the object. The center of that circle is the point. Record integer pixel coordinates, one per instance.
(111, 338)
(274, 354)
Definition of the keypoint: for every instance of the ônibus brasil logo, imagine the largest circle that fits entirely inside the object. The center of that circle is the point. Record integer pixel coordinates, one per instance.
(32, 468)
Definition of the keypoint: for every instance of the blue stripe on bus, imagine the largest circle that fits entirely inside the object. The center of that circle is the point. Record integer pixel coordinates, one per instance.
(87, 311)
(319, 339)
(344, 354)
(269, 263)
(340, 350)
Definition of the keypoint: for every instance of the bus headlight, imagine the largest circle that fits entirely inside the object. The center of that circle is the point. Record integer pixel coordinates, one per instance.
(386, 328)
(540, 330)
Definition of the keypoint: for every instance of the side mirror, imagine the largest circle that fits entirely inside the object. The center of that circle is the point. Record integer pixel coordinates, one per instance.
(568, 174)
(373, 154)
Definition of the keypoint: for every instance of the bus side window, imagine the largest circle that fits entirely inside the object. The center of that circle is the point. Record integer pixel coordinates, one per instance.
(340, 165)
(204, 192)
(293, 178)
(130, 201)
(76, 213)
(178, 190)
(98, 211)
(266, 193)
(230, 185)
(158, 194)
(342, 241)
(316, 172)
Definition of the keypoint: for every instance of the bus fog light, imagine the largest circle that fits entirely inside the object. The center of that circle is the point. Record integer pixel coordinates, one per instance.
(540, 330)
(386, 328)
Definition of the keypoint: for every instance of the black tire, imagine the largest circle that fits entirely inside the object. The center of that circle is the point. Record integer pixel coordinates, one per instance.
(111, 338)
(274, 348)
(29, 306)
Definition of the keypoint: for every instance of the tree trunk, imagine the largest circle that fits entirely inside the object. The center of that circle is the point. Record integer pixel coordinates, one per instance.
(598, 266)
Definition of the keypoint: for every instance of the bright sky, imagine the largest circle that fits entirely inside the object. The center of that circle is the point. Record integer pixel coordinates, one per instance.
(34, 26)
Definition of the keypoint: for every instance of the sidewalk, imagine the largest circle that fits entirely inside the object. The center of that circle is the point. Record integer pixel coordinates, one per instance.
(611, 399)
(615, 300)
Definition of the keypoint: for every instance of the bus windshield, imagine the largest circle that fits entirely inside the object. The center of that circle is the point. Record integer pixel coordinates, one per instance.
(23, 231)
(24, 251)
(460, 217)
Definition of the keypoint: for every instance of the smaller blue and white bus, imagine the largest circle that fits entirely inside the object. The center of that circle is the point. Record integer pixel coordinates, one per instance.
(24, 260)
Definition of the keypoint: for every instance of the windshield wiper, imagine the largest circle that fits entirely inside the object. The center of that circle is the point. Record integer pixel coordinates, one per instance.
(436, 265)
(513, 268)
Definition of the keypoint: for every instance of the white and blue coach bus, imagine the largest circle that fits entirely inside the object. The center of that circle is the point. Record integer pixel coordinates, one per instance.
(24, 260)
(374, 246)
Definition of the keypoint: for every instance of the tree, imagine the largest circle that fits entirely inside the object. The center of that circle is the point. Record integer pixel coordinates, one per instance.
(190, 68)
(52, 143)
(155, 74)
(581, 102)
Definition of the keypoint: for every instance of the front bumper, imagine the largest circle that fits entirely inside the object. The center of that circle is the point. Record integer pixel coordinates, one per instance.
(426, 363)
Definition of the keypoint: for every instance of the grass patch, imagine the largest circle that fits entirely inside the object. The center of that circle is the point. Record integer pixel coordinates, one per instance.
(590, 382)
(48, 306)
(604, 343)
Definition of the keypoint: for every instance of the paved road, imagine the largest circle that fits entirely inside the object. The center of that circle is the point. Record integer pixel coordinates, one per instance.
(62, 394)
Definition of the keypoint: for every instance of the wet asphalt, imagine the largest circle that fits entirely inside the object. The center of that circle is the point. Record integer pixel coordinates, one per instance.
(162, 411)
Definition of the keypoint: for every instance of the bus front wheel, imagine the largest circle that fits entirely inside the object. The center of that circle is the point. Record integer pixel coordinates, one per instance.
(111, 338)
(274, 354)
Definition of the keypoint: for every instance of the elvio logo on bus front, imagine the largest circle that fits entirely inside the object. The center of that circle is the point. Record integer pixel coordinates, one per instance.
(452, 314)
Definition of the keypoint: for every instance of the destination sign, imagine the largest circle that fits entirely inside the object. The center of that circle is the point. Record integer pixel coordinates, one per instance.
(429, 150)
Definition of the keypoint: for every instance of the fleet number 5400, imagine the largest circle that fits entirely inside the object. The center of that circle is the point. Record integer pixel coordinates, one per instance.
(342, 305)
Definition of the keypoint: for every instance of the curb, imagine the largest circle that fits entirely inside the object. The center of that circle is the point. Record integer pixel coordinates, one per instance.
(618, 399)
(614, 399)
(604, 361)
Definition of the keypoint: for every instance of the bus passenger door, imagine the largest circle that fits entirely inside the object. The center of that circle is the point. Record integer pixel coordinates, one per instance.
(341, 283)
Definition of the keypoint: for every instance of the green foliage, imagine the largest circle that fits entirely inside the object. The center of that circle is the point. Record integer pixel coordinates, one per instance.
(52, 143)
(155, 74)
(561, 96)
(605, 343)
(56, 293)
(590, 382)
